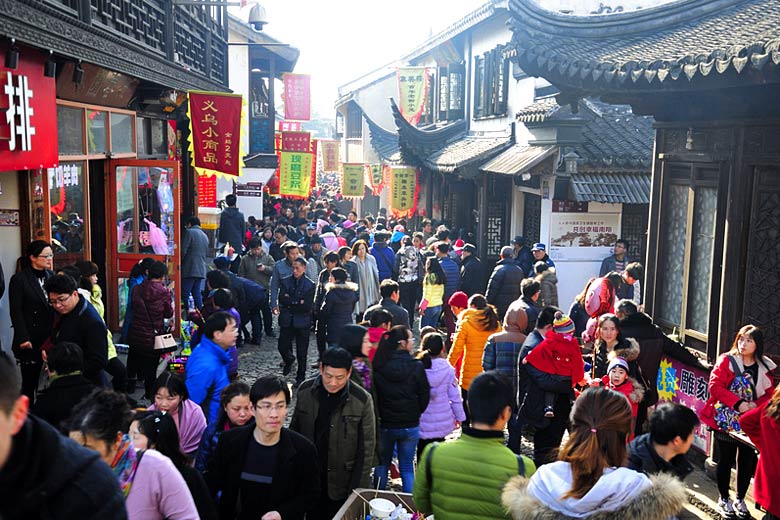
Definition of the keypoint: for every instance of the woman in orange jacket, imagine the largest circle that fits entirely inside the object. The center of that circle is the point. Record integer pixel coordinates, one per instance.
(474, 327)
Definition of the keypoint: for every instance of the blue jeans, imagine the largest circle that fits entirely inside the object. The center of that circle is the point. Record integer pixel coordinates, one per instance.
(192, 286)
(430, 317)
(406, 440)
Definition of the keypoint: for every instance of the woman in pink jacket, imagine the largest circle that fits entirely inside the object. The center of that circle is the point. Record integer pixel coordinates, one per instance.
(445, 407)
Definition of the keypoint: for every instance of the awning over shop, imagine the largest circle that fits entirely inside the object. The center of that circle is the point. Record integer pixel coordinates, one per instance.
(518, 159)
(464, 152)
(608, 187)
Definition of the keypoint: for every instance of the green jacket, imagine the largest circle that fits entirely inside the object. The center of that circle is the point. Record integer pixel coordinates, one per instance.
(467, 476)
(351, 438)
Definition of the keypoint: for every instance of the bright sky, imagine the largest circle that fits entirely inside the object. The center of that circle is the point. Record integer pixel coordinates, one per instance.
(342, 40)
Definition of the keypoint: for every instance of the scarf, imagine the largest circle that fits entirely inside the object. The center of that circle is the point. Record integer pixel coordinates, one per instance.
(125, 465)
(364, 371)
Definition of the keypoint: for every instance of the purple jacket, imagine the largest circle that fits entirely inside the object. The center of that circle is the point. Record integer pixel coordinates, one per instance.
(446, 404)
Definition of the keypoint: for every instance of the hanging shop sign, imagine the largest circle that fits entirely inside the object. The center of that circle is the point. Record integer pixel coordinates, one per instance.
(295, 172)
(352, 184)
(404, 190)
(28, 114)
(376, 174)
(207, 191)
(289, 126)
(686, 385)
(330, 155)
(296, 141)
(297, 96)
(412, 92)
(215, 133)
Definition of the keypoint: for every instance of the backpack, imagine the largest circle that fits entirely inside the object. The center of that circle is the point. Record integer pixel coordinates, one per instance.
(599, 297)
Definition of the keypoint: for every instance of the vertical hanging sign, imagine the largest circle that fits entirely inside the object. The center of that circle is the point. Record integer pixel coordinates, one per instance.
(297, 96)
(295, 171)
(412, 92)
(330, 155)
(376, 177)
(352, 180)
(215, 132)
(403, 190)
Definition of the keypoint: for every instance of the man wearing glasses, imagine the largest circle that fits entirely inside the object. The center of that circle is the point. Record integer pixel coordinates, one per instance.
(78, 322)
(263, 470)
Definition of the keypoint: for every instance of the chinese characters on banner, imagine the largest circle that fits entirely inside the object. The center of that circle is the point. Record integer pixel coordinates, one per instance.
(207, 191)
(296, 141)
(295, 170)
(352, 180)
(376, 177)
(28, 115)
(215, 132)
(330, 155)
(297, 102)
(403, 190)
(682, 384)
(289, 126)
(412, 92)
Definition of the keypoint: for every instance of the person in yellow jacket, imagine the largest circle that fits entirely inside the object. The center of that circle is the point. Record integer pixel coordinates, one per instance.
(475, 325)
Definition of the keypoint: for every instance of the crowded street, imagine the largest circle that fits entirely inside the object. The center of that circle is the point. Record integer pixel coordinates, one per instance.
(441, 260)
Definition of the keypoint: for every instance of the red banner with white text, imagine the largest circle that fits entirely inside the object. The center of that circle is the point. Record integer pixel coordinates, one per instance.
(215, 133)
(297, 97)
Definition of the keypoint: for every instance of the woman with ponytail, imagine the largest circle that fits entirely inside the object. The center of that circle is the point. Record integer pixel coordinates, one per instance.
(589, 480)
(445, 408)
(475, 325)
(402, 395)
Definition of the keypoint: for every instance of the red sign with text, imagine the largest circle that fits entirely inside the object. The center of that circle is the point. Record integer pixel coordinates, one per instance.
(215, 124)
(28, 114)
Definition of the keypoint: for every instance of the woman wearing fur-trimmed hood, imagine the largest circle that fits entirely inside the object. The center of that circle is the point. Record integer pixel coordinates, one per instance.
(588, 481)
(340, 299)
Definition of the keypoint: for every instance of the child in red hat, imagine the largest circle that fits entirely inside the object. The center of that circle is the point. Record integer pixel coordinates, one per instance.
(559, 354)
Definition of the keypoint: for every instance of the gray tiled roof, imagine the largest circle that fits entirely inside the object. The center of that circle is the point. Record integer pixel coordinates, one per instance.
(616, 188)
(518, 159)
(662, 47)
(465, 151)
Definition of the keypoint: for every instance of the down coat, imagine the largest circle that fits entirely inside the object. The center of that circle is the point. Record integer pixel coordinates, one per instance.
(504, 285)
(446, 404)
(152, 303)
(470, 340)
(503, 348)
(622, 494)
(337, 307)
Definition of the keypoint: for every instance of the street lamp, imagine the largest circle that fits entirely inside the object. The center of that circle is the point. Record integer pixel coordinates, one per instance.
(570, 160)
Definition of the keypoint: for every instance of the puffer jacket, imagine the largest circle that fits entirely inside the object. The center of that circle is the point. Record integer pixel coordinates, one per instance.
(340, 300)
(548, 282)
(504, 285)
(467, 476)
(402, 391)
(446, 404)
(385, 260)
(628, 349)
(152, 302)
(620, 494)
(232, 228)
(470, 340)
(720, 380)
(503, 348)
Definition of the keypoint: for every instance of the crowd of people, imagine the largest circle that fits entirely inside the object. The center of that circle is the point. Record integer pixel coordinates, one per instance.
(429, 363)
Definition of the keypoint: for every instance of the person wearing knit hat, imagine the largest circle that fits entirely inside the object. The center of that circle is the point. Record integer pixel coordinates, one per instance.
(458, 301)
(559, 354)
(617, 379)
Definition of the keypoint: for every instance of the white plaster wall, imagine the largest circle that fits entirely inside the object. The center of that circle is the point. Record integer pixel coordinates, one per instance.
(11, 238)
(238, 79)
(375, 102)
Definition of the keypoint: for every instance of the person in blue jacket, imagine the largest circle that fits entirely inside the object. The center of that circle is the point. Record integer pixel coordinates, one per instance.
(384, 255)
(206, 372)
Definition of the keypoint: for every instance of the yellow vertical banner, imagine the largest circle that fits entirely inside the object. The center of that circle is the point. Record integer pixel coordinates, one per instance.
(412, 91)
(352, 184)
(403, 190)
(295, 174)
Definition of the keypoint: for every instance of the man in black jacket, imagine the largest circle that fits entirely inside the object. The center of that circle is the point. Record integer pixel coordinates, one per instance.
(504, 284)
(472, 275)
(67, 385)
(653, 344)
(337, 415)
(663, 449)
(264, 471)
(44, 474)
(296, 297)
(391, 294)
(232, 226)
(78, 322)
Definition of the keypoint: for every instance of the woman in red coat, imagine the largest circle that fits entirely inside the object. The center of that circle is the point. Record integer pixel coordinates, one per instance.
(762, 425)
(746, 357)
